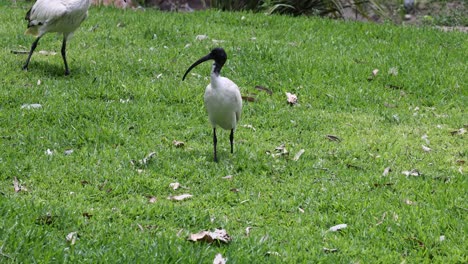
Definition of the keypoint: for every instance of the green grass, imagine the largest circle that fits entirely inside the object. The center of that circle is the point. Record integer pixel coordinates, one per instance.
(97, 192)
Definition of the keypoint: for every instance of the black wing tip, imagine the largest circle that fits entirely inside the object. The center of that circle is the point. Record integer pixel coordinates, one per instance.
(28, 15)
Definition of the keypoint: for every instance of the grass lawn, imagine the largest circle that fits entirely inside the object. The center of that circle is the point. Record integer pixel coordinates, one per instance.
(125, 99)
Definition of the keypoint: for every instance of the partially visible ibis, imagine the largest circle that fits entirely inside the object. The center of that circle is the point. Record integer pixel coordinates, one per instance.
(61, 16)
(223, 100)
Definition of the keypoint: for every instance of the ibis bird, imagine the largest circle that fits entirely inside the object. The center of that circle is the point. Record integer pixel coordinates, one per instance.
(223, 100)
(61, 16)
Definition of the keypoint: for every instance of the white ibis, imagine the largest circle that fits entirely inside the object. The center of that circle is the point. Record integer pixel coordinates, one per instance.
(61, 16)
(223, 100)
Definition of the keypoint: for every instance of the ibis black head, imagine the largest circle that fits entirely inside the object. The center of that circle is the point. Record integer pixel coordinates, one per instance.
(216, 54)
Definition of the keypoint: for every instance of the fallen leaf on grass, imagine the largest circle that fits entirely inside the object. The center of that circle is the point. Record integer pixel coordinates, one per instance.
(413, 172)
(31, 106)
(247, 230)
(87, 215)
(217, 41)
(460, 131)
(264, 89)
(47, 53)
(386, 171)
(249, 126)
(373, 75)
(382, 218)
(151, 199)
(179, 197)
(333, 138)
(143, 161)
(16, 185)
(337, 227)
(393, 71)
(234, 190)
(228, 177)
(178, 144)
(20, 51)
(248, 98)
(426, 139)
(201, 37)
(219, 235)
(71, 237)
(49, 152)
(426, 149)
(298, 154)
(174, 185)
(280, 151)
(292, 98)
(219, 259)
(330, 250)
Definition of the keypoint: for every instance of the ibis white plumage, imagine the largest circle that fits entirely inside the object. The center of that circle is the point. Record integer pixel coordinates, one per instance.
(223, 100)
(61, 16)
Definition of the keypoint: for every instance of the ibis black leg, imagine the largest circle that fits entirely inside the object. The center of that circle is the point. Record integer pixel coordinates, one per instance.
(215, 141)
(64, 55)
(231, 138)
(33, 47)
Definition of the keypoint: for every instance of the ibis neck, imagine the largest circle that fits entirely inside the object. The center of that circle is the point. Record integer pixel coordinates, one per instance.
(216, 70)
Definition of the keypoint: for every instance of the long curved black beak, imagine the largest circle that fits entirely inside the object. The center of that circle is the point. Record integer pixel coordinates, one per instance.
(206, 58)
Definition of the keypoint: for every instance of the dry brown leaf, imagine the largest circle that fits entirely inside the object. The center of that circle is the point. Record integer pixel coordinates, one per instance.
(174, 185)
(219, 259)
(459, 161)
(248, 98)
(178, 144)
(219, 235)
(234, 190)
(261, 88)
(386, 171)
(333, 138)
(298, 154)
(179, 197)
(16, 185)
